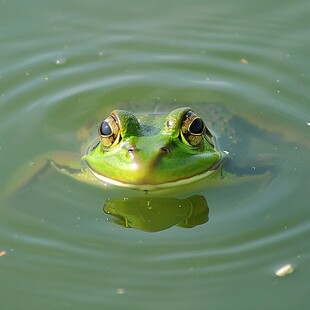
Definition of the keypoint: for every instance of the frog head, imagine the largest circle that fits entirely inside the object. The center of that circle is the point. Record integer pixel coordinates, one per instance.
(153, 151)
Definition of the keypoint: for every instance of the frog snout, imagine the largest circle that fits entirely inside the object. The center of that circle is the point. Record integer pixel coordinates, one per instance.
(161, 150)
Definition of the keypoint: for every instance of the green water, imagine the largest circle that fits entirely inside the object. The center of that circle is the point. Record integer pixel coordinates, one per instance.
(65, 63)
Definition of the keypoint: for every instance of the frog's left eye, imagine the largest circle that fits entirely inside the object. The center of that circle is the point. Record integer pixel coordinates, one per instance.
(109, 132)
(193, 130)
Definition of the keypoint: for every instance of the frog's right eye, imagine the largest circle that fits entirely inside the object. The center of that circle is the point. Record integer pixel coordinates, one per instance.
(109, 132)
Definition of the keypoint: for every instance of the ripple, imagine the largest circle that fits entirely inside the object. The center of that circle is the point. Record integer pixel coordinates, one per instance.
(54, 78)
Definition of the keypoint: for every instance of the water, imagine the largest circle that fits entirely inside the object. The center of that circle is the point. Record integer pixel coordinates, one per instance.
(62, 64)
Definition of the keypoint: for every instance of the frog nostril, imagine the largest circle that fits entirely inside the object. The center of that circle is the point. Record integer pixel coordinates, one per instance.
(131, 152)
(164, 150)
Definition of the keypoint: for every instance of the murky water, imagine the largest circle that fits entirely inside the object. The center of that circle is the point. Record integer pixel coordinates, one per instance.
(66, 65)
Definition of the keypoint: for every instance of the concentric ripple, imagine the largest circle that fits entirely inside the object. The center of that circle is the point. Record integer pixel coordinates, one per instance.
(64, 67)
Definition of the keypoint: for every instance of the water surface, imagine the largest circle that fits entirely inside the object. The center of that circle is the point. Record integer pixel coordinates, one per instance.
(64, 65)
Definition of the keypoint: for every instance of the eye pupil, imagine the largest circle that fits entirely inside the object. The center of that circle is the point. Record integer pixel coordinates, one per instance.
(105, 129)
(193, 130)
(109, 132)
(196, 126)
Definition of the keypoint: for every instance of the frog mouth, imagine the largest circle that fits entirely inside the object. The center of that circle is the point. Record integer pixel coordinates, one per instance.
(160, 186)
(153, 187)
(144, 183)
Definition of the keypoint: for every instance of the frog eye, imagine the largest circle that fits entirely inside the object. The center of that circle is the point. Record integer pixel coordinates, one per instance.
(193, 130)
(109, 132)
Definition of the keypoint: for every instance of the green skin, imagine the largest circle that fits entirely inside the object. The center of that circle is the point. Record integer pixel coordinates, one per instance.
(151, 155)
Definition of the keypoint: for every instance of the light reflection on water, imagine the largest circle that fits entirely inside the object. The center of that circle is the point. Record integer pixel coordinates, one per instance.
(60, 248)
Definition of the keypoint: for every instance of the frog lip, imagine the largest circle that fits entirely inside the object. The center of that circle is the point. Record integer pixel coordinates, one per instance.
(154, 187)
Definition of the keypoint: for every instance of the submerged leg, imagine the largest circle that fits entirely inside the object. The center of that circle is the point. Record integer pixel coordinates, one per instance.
(65, 162)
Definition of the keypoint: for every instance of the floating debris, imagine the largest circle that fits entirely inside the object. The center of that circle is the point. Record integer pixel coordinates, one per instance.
(60, 61)
(2, 253)
(308, 123)
(120, 291)
(244, 61)
(285, 270)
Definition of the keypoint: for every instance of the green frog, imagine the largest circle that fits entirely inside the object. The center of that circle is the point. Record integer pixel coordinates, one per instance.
(152, 151)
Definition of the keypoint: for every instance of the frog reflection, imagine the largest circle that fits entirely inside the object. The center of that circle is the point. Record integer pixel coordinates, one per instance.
(154, 214)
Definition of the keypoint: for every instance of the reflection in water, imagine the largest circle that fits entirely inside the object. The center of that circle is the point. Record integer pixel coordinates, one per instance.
(158, 213)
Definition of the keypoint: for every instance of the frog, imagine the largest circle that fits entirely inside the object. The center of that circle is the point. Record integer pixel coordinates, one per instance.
(150, 152)
(153, 151)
